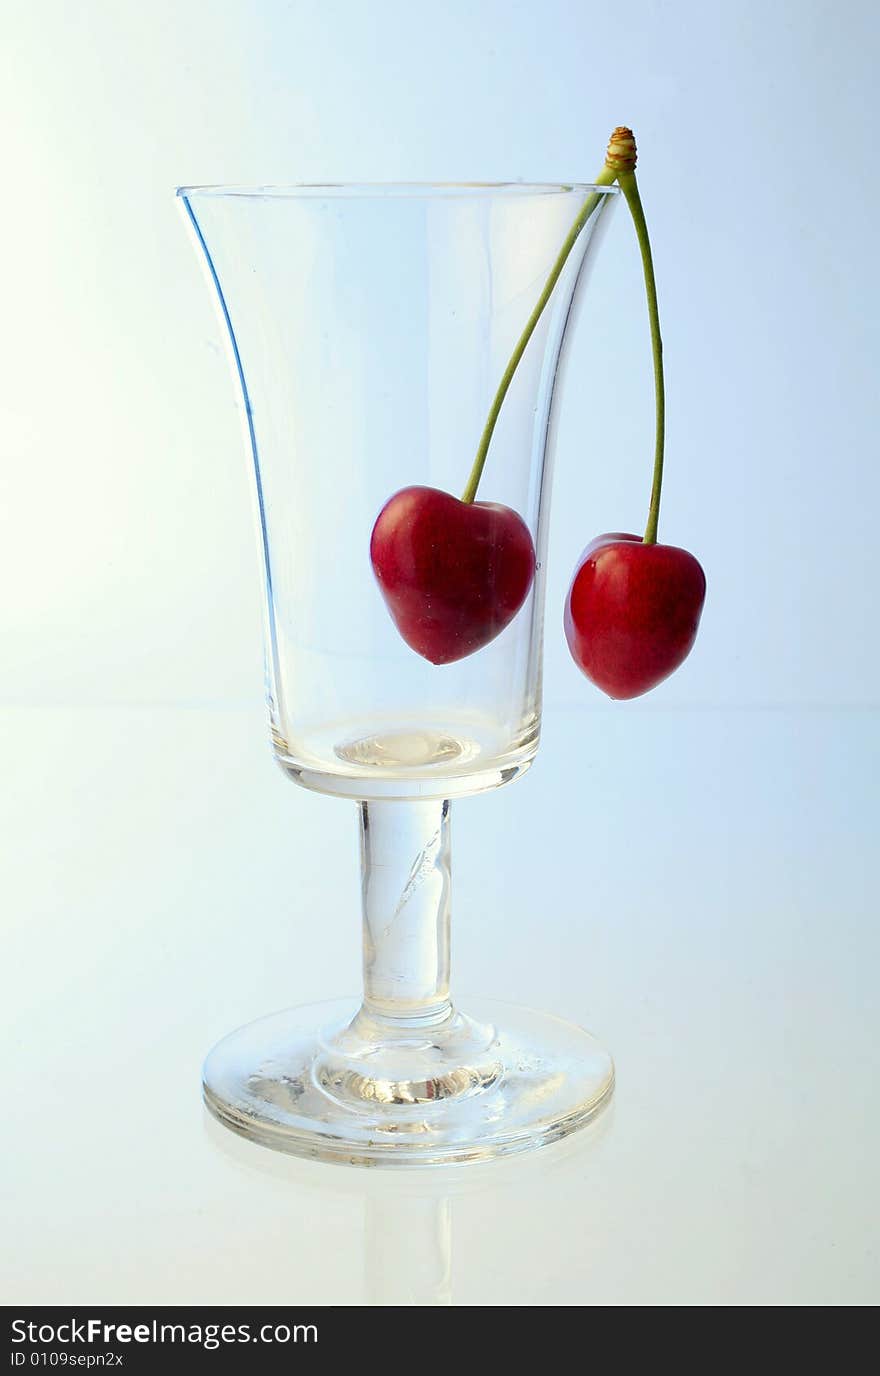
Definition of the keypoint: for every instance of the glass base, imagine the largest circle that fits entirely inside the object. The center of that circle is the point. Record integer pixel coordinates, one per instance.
(381, 760)
(366, 1091)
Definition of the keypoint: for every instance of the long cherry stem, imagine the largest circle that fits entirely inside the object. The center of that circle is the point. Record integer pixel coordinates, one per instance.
(605, 178)
(627, 183)
(620, 164)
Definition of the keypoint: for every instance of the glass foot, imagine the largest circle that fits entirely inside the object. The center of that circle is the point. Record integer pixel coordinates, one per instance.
(360, 1091)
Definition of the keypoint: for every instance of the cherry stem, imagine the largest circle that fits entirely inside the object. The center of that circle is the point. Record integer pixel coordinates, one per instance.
(620, 163)
(605, 178)
(627, 183)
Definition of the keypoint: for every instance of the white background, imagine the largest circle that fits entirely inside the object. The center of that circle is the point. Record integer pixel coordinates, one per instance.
(692, 874)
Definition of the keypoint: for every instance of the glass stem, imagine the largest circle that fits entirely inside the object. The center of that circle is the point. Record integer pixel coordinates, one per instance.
(405, 859)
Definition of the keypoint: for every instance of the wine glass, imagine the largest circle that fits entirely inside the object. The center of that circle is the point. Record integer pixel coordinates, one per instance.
(368, 328)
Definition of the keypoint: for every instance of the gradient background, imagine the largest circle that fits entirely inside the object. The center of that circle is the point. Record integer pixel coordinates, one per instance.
(126, 527)
(697, 884)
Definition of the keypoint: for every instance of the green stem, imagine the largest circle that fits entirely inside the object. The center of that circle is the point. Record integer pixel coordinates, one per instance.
(605, 178)
(627, 183)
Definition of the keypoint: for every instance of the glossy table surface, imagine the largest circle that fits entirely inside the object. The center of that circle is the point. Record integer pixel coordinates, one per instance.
(697, 887)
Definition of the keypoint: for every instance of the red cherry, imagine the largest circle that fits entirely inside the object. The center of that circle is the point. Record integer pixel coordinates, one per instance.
(632, 612)
(453, 573)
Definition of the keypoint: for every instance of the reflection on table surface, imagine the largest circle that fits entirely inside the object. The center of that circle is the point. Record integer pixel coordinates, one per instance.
(697, 888)
(409, 1216)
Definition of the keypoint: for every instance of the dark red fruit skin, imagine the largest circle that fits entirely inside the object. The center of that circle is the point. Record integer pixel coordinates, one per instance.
(632, 612)
(453, 574)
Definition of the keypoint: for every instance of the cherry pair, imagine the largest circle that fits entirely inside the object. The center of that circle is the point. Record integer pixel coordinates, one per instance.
(454, 574)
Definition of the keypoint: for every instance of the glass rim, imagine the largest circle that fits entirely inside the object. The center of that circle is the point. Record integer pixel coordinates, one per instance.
(353, 190)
